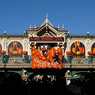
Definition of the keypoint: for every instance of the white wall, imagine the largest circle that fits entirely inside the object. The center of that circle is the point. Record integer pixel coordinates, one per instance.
(88, 42)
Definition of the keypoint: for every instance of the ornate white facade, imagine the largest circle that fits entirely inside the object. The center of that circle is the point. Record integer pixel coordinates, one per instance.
(47, 30)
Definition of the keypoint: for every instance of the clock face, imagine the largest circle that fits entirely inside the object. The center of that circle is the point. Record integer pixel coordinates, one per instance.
(78, 49)
(15, 49)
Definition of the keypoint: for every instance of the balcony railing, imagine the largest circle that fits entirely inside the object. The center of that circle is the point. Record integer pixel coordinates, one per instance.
(15, 60)
(80, 60)
(84, 60)
(28, 59)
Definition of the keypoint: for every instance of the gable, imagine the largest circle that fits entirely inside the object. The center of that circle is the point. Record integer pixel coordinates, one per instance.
(47, 29)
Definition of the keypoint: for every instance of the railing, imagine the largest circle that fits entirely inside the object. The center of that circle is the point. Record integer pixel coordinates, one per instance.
(15, 60)
(84, 60)
(80, 60)
(28, 59)
(0, 60)
(75, 63)
(8, 60)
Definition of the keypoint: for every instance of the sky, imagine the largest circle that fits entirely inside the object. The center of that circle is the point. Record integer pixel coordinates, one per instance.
(78, 16)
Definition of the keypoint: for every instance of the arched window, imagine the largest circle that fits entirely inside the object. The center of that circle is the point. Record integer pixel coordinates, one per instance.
(78, 49)
(15, 49)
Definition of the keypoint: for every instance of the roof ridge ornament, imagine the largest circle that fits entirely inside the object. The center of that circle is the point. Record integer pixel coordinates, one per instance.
(35, 26)
(63, 27)
(47, 21)
(30, 27)
(58, 27)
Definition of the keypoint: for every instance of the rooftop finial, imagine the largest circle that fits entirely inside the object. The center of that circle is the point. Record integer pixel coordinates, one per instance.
(63, 27)
(35, 26)
(30, 27)
(58, 27)
(47, 21)
(24, 33)
(68, 33)
(46, 15)
(87, 33)
(5, 32)
(46, 18)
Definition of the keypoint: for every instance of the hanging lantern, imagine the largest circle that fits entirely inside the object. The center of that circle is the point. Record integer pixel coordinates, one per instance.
(68, 52)
(3, 52)
(90, 52)
(25, 52)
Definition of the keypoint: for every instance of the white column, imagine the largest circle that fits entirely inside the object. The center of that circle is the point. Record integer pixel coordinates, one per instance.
(29, 48)
(4, 45)
(25, 44)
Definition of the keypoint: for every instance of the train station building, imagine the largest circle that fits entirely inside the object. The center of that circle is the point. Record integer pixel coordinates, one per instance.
(46, 47)
(47, 34)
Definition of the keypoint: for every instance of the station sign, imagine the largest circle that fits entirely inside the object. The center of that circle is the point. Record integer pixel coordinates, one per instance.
(47, 39)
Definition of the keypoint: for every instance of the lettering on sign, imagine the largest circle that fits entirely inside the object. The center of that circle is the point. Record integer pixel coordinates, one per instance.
(46, 38)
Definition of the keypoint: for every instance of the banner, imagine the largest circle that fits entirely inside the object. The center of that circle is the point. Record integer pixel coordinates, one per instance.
(51, 59)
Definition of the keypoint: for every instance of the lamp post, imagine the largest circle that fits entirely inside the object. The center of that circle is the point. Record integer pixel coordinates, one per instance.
(25, 54)
(87, 33)
(2, 54)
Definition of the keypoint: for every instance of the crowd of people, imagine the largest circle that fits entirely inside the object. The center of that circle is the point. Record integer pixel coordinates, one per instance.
(44, 86)
(47, 86)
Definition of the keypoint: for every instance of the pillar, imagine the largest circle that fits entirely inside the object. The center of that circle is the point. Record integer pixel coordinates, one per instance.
(90, 59)
(90, 53)
(2, 54)
(69, 56)
(25, 58)
(25, 55)
(69, 59)
(2, 58)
